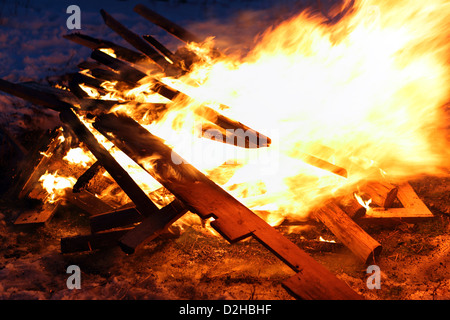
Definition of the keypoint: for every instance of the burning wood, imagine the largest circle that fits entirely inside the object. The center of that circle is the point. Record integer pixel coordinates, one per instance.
(94, 44)
(348, 232)
(118, 73)
(137, 42)
(232, 219)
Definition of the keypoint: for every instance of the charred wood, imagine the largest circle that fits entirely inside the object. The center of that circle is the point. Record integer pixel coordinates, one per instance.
(86, 177)
(127, 73)
(161, 48)
(115, 219)
(153, 226)
(91, 242)
(94, 44)
(136, 41)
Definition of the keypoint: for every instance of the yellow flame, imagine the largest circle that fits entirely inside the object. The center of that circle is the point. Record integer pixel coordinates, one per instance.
(55, 185)
(109, 51)
(79, 156)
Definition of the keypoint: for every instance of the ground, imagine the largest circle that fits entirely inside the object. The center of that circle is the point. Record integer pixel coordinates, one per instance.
(198, 265)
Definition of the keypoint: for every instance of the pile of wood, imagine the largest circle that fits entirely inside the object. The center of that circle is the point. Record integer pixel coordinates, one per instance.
(142, 220)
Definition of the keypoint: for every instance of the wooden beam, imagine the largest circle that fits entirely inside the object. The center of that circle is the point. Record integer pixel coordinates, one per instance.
(169, 26)
(34, 96)
(153, 226)
(91, 242)
(127, 73)
(87, 202)
(232, 219)
(94, 44)
(39, 215)
(161, 48)
(348, 232)
(115, 219)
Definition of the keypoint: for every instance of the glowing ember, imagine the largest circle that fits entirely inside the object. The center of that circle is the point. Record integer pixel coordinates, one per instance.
(321, 239)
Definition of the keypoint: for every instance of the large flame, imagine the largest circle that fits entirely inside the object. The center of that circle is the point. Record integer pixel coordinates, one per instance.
(365, 93)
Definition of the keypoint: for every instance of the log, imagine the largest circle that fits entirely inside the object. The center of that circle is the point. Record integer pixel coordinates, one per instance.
(80, 78)
(348, 232)
(172, 28)
(34, 96)
(169, 26)
(136, 41)
(233, 220)
(153, 226)
(94, 44)
(91, 242)
(382, 194)
(351, 206)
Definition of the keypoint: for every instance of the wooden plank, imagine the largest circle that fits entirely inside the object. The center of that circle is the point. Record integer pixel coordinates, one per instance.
(115, 219)
(232, 218)
(143, 204)
(86, 177)
(414, 210)
(38, 215)
(87, 202)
